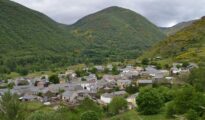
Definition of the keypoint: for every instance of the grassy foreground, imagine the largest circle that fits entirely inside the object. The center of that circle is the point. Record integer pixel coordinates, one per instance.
(133, 115)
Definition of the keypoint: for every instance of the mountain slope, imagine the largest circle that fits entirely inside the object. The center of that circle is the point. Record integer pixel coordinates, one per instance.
(187, 44)
(32, 41)
(172, 30)
(116, 33)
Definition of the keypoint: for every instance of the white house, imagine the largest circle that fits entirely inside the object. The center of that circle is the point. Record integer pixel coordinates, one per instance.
(89, 85)
(107, 97)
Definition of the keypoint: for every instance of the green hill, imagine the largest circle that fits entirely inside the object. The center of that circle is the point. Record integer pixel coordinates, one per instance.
(116, 33)
(187, 44)
(29, 39)
(32, 41)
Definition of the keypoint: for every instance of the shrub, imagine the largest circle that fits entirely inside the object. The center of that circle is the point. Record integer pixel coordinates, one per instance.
(192, 115)
(145, 61)
(117, 104)
(150, 101)
(54, 79)
(90, 115)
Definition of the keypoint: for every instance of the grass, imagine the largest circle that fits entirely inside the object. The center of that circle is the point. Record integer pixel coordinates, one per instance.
(133, 115)
(35, 106)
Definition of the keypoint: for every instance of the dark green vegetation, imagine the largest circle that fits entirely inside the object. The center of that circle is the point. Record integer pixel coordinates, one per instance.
(30, 41)
(150, 101)
(89, 115)
(186, 45)
(116, 34)
(11, 108)
(54, 79)
(117, 104)
(172, 30)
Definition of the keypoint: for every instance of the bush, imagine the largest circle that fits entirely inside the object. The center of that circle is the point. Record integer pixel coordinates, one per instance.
(171, 110)
(90, 115)
(145, 61)
(185, 99)
(150, 101)
(39, 115)
(54, 79)
(131, 89)
(23, 82)
(197, 79)
(192, 115)
(185, 64)
(115, 71)
(117, 104)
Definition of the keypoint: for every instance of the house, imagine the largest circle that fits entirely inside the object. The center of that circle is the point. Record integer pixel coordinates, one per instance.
(175, 70)
(89, 85)
(28, 98)
(132, 99)
(169, 79)
(55, 88)
(73, 87)
(90, 77)
(122, 84)
(107, 97)
(2, 91)
(110, 67)
(130, 72)
(40, 84)
(149, 72)
(109, 78)
(71, 74)
(69, 96)
(144, 82)
(1, 81)
(99, 68)
(21, 90)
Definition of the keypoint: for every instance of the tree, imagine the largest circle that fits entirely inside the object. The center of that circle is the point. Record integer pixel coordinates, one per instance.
(106, 70)
(89, 105)
(22, 71)
(197, 79)
(115, 71)
(93, 70)
(170, 112)
(131, 89)
(150, 101)
(117, 104)
(11, 108)
(54, 79)
(89, 115)
(145, 61)
(188, 98)
(185, 64)
(192, 115)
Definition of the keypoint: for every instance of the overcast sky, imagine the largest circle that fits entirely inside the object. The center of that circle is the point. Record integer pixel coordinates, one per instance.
(161, 12)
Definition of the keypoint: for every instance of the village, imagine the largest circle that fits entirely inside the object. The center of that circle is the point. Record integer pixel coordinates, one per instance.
(73, 87)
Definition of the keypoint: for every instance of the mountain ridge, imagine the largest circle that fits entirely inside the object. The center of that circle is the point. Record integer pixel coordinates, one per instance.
(32, 41)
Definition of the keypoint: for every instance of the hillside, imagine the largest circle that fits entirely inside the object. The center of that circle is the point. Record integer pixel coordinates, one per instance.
(29, 39)
(174, 29)
(116, 33)
(187, 44)
(32, 41)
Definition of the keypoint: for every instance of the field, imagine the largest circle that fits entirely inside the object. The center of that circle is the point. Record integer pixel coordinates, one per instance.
(133, 115)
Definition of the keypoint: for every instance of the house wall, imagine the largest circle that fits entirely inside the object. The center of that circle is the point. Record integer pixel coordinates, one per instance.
(105, 99)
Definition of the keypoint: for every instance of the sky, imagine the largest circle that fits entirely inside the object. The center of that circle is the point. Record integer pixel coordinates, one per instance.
(164, 13)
